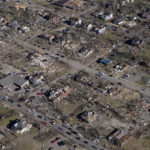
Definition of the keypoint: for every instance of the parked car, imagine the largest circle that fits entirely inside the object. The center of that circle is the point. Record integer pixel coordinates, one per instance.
(119, 83)
(39, 116)
(56, 139)
(74, 132)
(9, 89)
(44, 123)
(53, 141)
(94, 147)
(43, 90)
(10, 100)
(86, 142)
(61, 143)
(39, 93)
(59, 128)
(100, 74)
(18, 105)
(68, 133)
(78, 138)
(69, 75)
(126, 76)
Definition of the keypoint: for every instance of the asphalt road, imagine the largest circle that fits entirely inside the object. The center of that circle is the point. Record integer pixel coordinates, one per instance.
(75, 65)
(79, 66)
(125, 82)
(64, 130)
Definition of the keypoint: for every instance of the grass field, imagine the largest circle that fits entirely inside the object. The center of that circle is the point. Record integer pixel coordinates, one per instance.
(27, 142)
(137, 144)
(8, 114)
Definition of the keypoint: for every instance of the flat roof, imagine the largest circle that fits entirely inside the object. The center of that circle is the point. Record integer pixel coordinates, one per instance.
(12, 79)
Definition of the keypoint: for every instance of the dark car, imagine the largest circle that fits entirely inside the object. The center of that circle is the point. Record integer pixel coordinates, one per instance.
(119, 83)
(57, 138)
(61, 143)
(39, 116)
(74, 132)
(134, 73)
(27, 91)
(10, 100)
(22, 99)
(78, 138)
(17, 89)
(69, 128)
(94, 147)
(86, 142)
(68, 133)
(18, 105)
(59, 128)
(32, 97)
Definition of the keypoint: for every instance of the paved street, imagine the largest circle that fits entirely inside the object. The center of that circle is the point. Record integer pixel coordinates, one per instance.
(64, 130)
(75, 66)
(79, 66)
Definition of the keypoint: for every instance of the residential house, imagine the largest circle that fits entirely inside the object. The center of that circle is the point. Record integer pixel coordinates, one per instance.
(19, 126)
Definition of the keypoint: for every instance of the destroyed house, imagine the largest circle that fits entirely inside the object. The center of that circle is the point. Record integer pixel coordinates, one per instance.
(88, 116)
(85, 52)
(84, 79)
(60, 3)
(73, 4)
(134, 42)
(47, 36)
(120, 67)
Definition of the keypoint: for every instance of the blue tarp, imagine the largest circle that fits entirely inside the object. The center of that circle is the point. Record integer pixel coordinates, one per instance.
(105, 61)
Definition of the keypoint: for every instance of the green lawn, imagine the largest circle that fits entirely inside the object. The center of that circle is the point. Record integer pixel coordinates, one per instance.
(8, 113)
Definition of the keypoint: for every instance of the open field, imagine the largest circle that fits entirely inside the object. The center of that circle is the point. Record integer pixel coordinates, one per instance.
(137, 144)
(6, 114)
